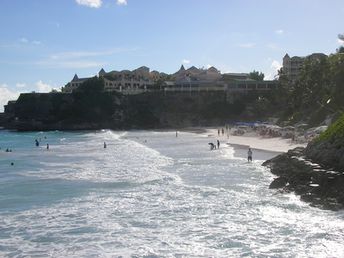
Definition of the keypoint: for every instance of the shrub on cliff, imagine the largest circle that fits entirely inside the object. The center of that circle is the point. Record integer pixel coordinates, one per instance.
(328, 148)
(334, 133)
(93, 85)
(91, 103)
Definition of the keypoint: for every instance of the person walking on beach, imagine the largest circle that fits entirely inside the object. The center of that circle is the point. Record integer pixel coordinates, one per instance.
(176, 134)
(218, 144)
(249, 155)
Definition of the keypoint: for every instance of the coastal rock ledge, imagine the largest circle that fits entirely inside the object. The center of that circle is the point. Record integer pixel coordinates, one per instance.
(320, 186)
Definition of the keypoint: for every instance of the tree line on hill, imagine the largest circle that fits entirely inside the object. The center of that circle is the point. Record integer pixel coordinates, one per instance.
(317, 93)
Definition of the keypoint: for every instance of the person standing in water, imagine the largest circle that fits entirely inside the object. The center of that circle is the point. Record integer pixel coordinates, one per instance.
(47, 146)
(176, 134)
(249, 155)
(104, 145)
(218, 144)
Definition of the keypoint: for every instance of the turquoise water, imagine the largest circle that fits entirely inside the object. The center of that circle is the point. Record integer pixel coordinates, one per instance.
(149, 194)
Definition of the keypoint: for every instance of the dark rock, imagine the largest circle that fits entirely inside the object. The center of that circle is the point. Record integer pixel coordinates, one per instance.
(329, 154)
(279, 182)
(316, 185)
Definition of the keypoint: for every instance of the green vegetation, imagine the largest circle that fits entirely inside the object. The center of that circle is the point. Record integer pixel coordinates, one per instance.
(159, 83)
(94, 85)
(91, 103)
(335, 131)
(340, 49)
(257, 76)
(318, 92)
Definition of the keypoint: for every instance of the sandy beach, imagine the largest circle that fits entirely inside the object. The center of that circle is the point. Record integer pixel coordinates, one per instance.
(263, 148)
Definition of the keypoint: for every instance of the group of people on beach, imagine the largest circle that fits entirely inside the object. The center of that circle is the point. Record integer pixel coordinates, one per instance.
(213, 146)
(222, 131)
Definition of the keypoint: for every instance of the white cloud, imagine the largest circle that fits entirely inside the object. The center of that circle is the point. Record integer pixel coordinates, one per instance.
(77, 54)
(122, 2)
(273, 46)
(27, 41)
(36, 42)
(276, 65)
(78, 64)
(273, 71)
(80, 59)
(247, 45)
(6, 95)
(70, 64)
(43, 87)
(23, 40)
(21, 85)
(82, 54)
(340, 42)
(279, 32)
(90, 3)
(186, 61)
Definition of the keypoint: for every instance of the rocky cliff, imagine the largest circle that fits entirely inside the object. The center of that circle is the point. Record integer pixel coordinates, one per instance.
(328, 148)
(316, 173)
(85, 110)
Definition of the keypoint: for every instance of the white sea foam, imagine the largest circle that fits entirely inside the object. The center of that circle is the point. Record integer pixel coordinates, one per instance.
(152, 194)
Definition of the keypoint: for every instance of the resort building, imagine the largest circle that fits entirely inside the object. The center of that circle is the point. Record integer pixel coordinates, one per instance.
(292, 66)
(123, 81)
(138, 79)
(74, 84)
(196, 74)
(192, 79)
(239, 86)
(236, 76)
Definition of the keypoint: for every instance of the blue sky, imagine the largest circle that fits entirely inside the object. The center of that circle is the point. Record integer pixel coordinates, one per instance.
(44, 43)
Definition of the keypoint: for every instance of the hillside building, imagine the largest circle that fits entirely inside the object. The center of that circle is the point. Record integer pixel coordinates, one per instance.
(138, 79)
(292, 66)
(196, 74)
(191, 79)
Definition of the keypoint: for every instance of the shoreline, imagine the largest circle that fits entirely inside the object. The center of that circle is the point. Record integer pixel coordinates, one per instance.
(263, 148)
(240, 151)
(272, 144)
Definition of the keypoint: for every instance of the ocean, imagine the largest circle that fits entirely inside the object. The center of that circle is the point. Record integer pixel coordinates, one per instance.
(149, 194)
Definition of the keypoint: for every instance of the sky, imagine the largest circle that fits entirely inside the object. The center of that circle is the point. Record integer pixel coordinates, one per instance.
(43, 43)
